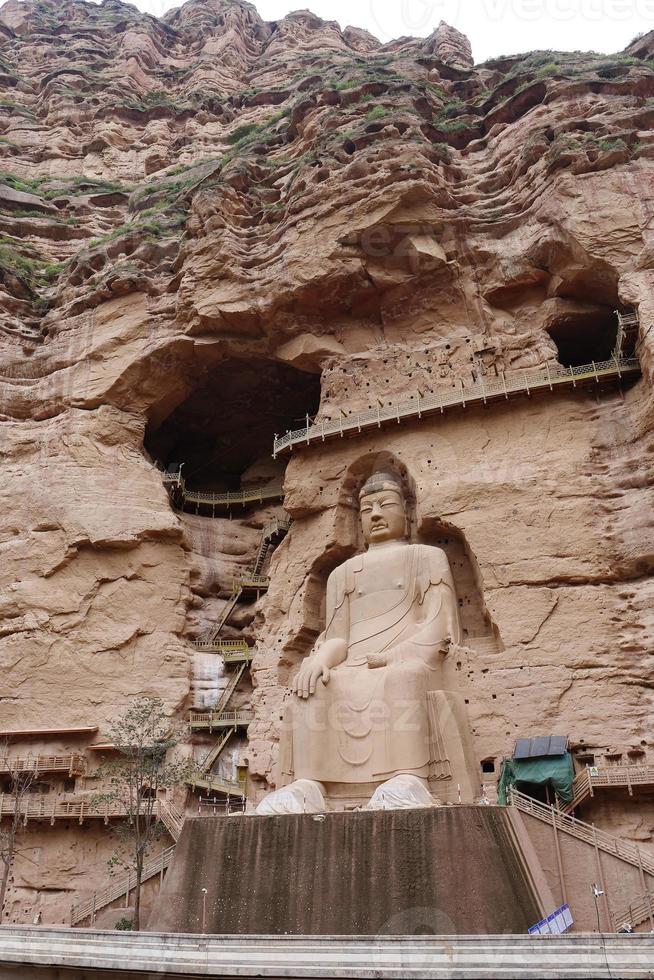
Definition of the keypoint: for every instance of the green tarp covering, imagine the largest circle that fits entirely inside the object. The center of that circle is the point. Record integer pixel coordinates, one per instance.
(556, 770)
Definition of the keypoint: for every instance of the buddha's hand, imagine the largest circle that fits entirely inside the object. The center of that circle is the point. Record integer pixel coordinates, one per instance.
(376, 660)
(311, 671)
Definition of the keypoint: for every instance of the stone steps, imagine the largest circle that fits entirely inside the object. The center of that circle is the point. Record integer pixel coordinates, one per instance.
(147, 954)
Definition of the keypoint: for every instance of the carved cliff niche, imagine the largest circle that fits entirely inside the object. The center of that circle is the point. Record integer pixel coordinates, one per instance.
(223, 430)
(479, 631)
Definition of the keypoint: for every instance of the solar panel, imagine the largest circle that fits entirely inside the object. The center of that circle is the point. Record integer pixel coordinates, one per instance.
(541, 746)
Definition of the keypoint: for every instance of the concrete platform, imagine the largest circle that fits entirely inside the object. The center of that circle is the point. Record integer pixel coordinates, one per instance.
(447, 870)
(42, 953)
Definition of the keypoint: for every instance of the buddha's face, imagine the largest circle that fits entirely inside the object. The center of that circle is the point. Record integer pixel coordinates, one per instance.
(383, 517)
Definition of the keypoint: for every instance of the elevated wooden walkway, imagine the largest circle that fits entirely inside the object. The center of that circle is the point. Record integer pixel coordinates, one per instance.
(199, 500)
(215, 784)
(481, 392)
(591, 779)
(51, 807)
(211, 721)
(73, 764)
(232, 651)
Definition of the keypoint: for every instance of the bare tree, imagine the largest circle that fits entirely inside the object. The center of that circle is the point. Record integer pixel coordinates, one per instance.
(14, 799)
(143, 739)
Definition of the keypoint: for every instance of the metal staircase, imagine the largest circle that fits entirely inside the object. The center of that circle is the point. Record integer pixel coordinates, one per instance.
(105, 896)
(621, 849)
(272, 534)
(171, 818)
(215, 752)
(173, 821)
(637, 912)
(209, 721)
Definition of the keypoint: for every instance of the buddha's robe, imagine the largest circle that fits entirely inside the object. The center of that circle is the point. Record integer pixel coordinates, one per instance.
(367, 724)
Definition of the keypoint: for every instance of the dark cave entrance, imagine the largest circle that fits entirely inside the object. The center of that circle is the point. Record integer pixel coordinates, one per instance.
(223, 431)
(584, 337)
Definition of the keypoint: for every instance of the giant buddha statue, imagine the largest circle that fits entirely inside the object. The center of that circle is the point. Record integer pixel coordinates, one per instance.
(372, 716)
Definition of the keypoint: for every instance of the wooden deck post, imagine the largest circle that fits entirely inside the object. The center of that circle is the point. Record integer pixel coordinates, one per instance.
(643, 885)
(600, 875)
(559, 861)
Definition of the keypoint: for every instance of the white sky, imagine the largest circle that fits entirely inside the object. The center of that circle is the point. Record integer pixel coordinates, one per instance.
(494, 27)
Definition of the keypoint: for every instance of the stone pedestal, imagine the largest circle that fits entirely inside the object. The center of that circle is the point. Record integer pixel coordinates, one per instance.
(444, 871)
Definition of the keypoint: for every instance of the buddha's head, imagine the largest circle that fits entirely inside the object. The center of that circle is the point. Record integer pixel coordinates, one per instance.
(383, 509)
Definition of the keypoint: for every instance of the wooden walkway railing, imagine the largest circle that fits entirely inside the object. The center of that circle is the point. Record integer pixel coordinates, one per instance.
(624, 850)
(51, 807)
(73, 764)
(232, 651)
(591, 778)
(210, 721)
(483, 391)
(216, 784)
(183, 497)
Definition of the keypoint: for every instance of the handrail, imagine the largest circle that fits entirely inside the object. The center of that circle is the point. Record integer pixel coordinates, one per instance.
(171, 818)
(215, 752)
(592, 778)
(231, 687)
(636, 912)
(226, 612)
(250, 580)
(239, 656)
(107, 895)
(270, 532)
(51, 807)
(227, 719)
(478, 392)
(177, 483)
(225, 647)
(624, 850)
(74, 764)
(218, 785)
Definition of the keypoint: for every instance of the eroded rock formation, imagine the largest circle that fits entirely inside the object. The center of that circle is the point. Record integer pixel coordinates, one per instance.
(367, 223)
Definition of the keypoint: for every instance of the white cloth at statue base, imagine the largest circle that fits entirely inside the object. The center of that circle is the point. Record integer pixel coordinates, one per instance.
(402, 792)
(302, 796)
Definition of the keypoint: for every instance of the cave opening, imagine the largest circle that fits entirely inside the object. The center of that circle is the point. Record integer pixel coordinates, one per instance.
(222, 434)
(584, 337)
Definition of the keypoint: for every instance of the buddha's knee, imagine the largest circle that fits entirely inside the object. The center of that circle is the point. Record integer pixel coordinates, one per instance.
(406, 678)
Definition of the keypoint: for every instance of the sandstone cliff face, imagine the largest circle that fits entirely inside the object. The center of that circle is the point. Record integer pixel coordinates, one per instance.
(180, 195)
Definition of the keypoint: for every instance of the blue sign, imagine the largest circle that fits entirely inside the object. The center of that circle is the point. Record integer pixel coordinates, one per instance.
(555, 924)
